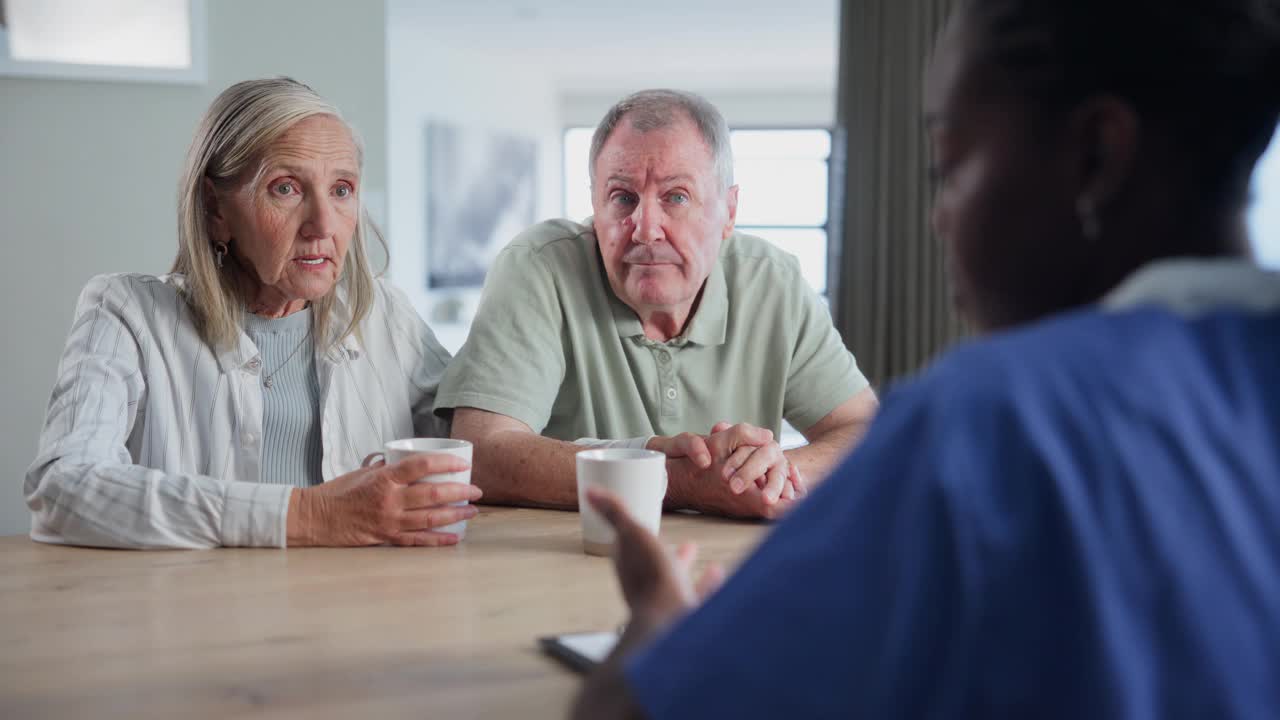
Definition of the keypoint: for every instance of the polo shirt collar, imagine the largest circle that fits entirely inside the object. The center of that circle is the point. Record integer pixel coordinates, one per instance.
(1193, 286)
(710, 321)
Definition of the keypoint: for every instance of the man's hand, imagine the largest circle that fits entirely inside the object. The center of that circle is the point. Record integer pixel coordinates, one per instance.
(704, 491)
(736, 470)
(656, 583)
(381, 504)
(685, 445)
(747, 454)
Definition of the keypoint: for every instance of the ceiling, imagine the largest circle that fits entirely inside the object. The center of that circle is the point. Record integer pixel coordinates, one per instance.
(589, 45)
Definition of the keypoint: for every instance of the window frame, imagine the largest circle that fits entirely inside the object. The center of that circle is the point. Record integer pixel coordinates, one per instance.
(196, 74)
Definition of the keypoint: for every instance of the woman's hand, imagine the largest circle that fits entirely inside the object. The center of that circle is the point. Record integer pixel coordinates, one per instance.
(382, 505)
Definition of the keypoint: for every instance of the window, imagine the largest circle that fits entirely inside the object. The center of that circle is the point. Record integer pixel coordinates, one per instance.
(782, 175)
(1264, 215)
(141, 40)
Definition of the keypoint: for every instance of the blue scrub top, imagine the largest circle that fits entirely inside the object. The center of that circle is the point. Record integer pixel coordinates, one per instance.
(1078, 520)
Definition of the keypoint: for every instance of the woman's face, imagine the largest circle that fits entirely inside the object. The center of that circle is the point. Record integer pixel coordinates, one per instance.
(290, 225)
(1005, 195)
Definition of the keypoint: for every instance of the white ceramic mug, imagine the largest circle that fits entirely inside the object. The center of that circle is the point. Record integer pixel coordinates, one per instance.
(397, 450)
(637, 477)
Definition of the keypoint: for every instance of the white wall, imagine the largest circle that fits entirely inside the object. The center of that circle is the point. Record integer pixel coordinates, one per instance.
(431, 78)
(90, 171)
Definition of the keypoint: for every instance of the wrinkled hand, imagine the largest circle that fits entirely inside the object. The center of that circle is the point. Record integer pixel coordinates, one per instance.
(748, 455)
(381, 504)
(691, 446)
(656, 583)
(736, 470)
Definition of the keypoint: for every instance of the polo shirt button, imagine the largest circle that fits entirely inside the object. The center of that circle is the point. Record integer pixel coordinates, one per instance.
(248, 438)
(671, 393)
(664, 357)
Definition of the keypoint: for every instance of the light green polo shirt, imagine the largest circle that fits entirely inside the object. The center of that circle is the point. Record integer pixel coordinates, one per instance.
(553, 347)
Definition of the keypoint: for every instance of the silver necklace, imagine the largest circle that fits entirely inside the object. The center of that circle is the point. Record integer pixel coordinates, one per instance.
(267, 377)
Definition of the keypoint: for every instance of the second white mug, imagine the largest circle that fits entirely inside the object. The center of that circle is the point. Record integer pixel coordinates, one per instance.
(637, 477)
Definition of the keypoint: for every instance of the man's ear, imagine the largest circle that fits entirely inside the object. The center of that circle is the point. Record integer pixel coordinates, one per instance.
(731, 197)
(1108, 132)
(214, 212)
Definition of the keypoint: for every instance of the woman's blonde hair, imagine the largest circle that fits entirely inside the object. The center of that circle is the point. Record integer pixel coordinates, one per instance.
(234, 134)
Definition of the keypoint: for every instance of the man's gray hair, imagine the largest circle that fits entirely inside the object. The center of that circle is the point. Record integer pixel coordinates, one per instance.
(653, 109)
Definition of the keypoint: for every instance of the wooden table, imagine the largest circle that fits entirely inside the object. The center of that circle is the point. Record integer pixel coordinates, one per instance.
(314, 633)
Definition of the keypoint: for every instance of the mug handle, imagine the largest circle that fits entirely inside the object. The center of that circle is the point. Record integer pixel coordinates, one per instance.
(373, 458)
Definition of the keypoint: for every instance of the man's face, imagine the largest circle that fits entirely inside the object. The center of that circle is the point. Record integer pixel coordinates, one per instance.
(660, 214)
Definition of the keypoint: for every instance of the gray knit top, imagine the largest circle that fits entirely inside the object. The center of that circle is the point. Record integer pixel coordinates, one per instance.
(291, 445)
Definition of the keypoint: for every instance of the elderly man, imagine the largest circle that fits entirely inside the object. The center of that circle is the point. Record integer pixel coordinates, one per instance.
(650, 323)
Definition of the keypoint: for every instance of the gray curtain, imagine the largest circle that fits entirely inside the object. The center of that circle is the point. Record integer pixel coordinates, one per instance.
(887, 281)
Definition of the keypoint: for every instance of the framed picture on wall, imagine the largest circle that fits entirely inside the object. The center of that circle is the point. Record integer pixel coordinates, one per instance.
(481, 190)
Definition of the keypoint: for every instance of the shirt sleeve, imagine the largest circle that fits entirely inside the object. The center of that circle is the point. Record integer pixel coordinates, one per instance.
(823, 373)
(858, 605)
(513, 362)
(422, 360)
(83, 488)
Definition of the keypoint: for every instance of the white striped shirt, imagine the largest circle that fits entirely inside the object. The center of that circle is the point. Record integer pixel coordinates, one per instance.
(153, 440)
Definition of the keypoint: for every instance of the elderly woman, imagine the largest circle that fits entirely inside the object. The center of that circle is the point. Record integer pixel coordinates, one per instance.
(205, 407)
(1077, 519)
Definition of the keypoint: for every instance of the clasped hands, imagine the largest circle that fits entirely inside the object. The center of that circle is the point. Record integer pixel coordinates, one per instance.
(736, 470)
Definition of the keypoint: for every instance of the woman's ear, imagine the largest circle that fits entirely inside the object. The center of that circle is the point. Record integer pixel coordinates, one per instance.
(213, 210)
(1108, 133)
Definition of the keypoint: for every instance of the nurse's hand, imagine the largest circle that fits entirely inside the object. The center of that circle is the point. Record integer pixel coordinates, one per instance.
(656, 583)
(381, 504)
